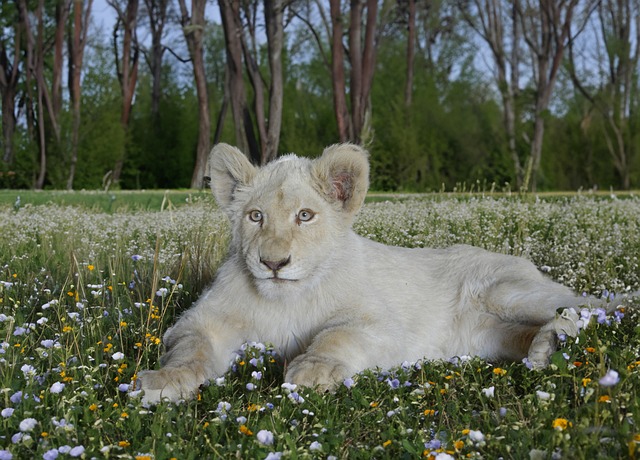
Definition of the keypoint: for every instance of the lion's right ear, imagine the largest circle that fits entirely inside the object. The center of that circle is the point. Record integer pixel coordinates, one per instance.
(229, 169)
(342, 175)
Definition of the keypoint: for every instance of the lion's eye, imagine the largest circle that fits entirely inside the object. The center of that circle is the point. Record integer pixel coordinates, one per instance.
(256, 216)
(305, 215)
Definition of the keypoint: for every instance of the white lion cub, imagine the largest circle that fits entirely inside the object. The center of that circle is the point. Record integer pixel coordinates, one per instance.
(334, 303)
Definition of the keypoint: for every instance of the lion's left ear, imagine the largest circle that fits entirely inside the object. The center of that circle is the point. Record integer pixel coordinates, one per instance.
(342, 175)
(229, 169)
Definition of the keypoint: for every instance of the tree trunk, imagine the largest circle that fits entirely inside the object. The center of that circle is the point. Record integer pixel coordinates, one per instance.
(76, 58)
(338, 73)
(127, 69)
(258, 92)
(9, 76)
(62, 15)
(35, 69)
(488, 20)
(618, 88)
(273, 11)
(411, 43)
(193, 28)
(547, 36)
(245, 140)
(157, 11)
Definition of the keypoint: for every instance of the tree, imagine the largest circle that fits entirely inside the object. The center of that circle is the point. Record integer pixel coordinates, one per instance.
(617, 95)
(345, 130)
(9, 78)
(262, 147)
(498, 26)
(245, 139)
(411, 44)
(81, 18)
(157, 13)
(354, 121)
(546, 30)
(193, 29)
(36, 52)
(273, 13)
(127, 66)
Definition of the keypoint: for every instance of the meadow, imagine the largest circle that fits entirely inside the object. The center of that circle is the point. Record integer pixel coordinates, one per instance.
(86, 292)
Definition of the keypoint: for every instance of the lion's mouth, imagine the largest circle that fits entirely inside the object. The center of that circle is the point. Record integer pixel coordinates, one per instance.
(277, 279)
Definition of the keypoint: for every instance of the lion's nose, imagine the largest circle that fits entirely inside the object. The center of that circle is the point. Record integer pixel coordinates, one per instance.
(276, 265)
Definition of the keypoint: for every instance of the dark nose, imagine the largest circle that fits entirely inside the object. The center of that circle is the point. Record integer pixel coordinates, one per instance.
(275, 266)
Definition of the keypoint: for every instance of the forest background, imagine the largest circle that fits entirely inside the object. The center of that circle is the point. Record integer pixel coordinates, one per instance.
(446, 94)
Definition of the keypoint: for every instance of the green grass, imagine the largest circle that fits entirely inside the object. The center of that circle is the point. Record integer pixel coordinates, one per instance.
(110, 201)
(79, 316)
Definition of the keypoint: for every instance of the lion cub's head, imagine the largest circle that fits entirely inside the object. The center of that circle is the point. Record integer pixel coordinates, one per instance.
(289, 218)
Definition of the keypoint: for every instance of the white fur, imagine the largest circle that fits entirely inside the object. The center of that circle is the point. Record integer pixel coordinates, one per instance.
(343, 303)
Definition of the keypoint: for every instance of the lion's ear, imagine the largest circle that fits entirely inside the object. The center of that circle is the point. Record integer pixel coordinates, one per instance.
(342, 175)
(228, 169)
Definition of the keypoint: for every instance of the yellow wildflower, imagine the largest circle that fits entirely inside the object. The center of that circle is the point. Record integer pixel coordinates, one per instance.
(93, 407)
(386, 443)
(429, 412)
(561, 424)
(244, 430)
(499, 371)
(604, 399)
(124, 443)
(90, 267)
(585, 382)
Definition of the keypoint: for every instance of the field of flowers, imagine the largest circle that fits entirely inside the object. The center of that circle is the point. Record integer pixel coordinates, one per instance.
(86, 295)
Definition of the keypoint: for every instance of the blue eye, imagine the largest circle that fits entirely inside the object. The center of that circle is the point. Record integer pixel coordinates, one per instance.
(256, 216)
(305, 215)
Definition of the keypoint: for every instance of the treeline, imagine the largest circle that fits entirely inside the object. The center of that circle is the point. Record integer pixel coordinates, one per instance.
(504, 94)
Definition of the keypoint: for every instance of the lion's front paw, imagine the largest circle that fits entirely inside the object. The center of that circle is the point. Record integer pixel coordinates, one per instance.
(174, 384)
(317, 372)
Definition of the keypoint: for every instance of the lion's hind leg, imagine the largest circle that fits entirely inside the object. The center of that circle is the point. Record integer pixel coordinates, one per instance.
(539, 306)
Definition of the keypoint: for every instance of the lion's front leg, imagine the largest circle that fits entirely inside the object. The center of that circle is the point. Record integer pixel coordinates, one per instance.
(334, 355)
(197, 349)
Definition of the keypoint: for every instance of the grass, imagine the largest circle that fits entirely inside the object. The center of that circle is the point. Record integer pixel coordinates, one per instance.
(110, 201)
(86, 293)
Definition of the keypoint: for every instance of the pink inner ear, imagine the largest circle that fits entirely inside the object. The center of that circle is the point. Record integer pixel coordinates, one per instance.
(342, 186)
